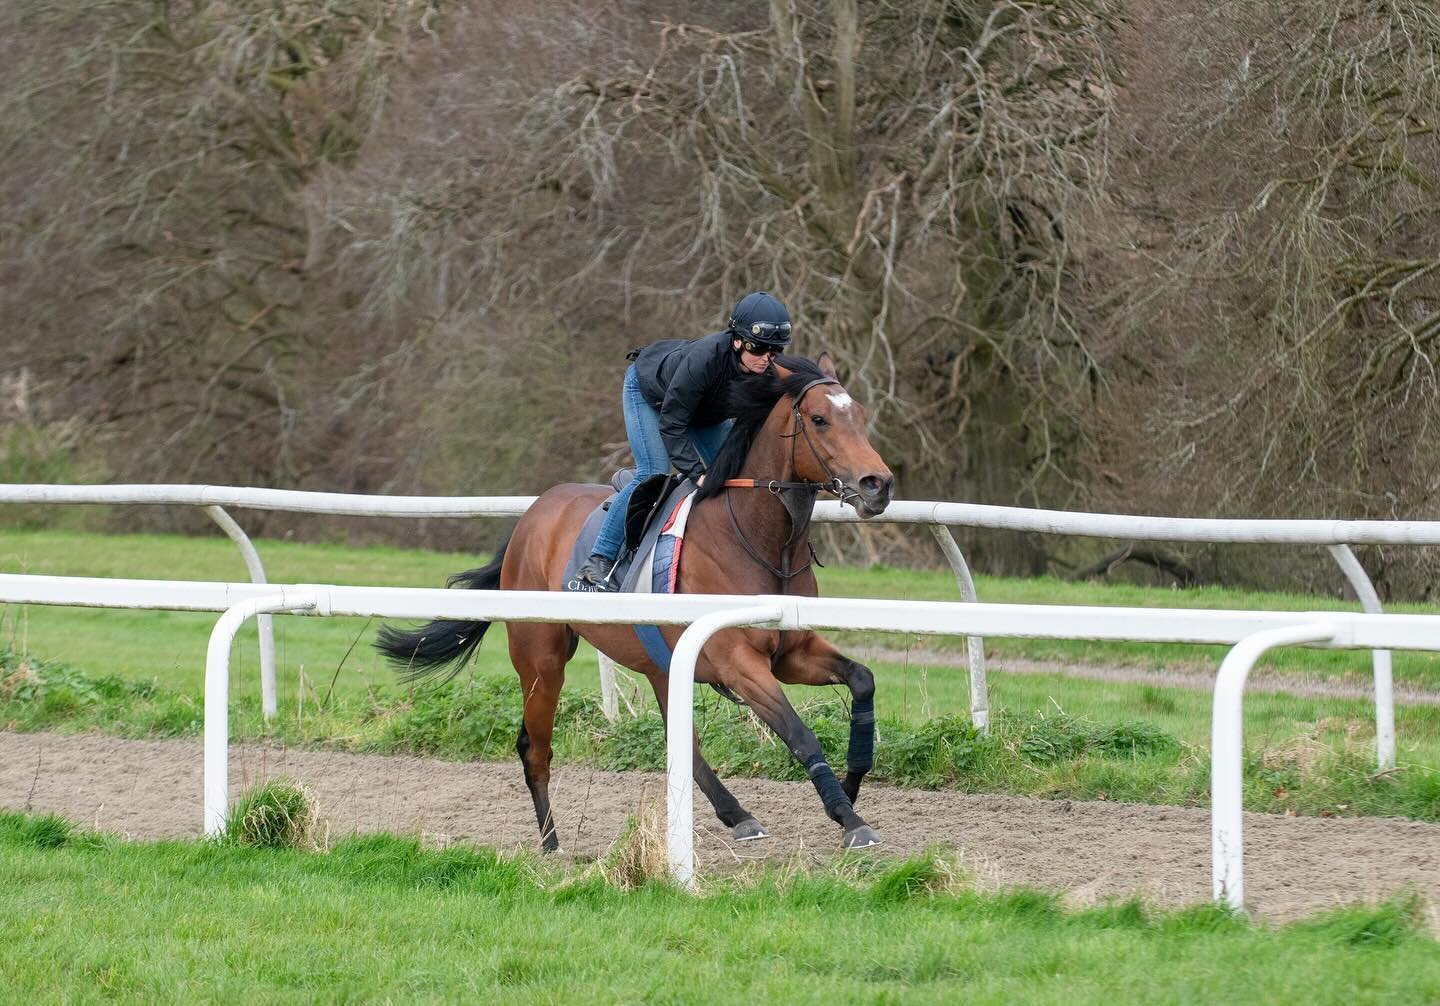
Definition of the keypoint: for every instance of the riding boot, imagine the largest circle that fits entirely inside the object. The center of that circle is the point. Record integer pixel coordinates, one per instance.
(596, 571)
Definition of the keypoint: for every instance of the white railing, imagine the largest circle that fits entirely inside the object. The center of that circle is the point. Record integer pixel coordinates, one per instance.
(214, 499)
(1250, 632)
(1335, 535)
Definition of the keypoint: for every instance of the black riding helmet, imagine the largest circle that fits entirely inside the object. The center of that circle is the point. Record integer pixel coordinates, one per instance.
(761, 318)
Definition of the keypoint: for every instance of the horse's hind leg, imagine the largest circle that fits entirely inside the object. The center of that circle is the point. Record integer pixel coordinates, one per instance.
(539, 652)
(814, 661)
(743, 827)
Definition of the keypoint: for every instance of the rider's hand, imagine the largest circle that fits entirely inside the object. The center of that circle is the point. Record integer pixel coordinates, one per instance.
(700, 481)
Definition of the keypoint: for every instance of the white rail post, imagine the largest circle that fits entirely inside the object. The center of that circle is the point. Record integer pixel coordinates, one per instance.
(217, 696)
(680, 727)
(263, 623)
(609, 687)
(1379, 659)
(979, 690)
(1227, 727)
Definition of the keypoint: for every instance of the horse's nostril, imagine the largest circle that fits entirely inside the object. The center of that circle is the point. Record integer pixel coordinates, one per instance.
(873, 484)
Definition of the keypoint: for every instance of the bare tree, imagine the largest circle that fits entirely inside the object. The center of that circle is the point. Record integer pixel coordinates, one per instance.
(155, 157)
(1171, 257)
(907, 175)
(1282, 349)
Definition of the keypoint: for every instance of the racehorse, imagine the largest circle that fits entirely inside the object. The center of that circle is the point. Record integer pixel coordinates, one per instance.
(796, 433)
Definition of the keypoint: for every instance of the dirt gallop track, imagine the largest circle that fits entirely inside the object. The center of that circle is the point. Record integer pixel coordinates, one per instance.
(1294, 866)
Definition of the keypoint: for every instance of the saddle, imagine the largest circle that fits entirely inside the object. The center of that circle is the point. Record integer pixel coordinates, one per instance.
(657, 495)
(653, 505)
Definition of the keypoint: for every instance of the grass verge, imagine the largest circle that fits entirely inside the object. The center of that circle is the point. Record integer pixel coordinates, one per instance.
(170, 646)
(379, 918)
(1044, 752)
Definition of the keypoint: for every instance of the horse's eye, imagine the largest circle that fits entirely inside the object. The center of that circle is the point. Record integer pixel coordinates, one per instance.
(818, 420)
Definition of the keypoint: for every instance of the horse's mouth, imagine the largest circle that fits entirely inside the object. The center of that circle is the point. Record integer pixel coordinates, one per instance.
(868, 509)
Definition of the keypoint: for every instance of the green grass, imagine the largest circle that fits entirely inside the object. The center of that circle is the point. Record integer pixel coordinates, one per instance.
(85, 918)
(1091, 743)
(276, 814)
(1421, 669)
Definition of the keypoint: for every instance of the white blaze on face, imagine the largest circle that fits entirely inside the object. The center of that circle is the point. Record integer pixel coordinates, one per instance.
(840, 400)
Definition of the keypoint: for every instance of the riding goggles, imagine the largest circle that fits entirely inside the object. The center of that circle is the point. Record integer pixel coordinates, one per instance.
(770, 331)
(763, 334)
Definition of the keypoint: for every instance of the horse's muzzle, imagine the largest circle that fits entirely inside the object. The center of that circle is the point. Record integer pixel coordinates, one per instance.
(874, 494)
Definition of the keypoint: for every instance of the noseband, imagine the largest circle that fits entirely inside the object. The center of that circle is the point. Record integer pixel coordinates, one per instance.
(798, 498)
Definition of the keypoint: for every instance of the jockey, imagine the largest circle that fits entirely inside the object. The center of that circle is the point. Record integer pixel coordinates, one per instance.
(675, 397)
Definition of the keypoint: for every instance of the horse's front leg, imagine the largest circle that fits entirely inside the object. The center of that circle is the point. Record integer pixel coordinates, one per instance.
(742, 824)
(747, 671)
(814, 661)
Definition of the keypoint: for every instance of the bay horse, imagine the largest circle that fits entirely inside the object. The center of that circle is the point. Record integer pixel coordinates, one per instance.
(796, 432)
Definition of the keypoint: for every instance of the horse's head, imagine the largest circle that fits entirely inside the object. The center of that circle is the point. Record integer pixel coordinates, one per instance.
(831, 445)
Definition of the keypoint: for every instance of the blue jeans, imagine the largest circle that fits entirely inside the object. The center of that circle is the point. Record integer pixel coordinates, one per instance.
(642, 427)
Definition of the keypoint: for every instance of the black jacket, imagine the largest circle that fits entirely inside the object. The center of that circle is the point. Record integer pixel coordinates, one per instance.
(687, 380)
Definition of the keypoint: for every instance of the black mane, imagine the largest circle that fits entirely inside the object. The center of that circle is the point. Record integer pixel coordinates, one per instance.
(751, 401)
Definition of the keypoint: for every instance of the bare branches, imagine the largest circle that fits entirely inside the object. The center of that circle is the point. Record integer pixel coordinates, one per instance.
(1063, 250)
(176, 140)
(874, 164)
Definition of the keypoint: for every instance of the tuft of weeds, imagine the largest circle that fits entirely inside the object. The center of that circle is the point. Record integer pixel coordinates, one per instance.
(1385, 925)
(1050, 738)
(39, 831)
(48, 831)
(25, 678)
(477, 718)
(937, 753)
(276, 814)
(634, 745)
(638, 858)
(919, 876)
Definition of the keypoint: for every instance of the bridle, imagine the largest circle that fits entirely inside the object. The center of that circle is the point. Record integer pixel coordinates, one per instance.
(798, 498)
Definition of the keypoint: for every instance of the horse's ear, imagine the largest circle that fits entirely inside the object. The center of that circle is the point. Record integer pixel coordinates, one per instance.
(826, 365)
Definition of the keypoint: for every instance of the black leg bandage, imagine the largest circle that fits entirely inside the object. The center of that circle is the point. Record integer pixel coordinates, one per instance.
(837, 804)
(861, 754)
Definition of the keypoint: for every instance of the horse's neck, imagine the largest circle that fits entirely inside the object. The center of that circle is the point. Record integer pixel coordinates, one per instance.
(770, 456)
(761, 515)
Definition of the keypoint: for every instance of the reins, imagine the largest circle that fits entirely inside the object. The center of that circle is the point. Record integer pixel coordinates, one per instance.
(798, 498)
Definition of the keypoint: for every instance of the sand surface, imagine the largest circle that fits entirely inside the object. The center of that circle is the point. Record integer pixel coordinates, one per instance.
(1091, 850)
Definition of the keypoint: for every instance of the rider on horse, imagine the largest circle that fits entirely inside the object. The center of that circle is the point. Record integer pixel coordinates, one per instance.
(675, 401)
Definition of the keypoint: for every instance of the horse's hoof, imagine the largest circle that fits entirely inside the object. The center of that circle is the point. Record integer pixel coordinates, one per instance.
(749, 830)
(862, 837)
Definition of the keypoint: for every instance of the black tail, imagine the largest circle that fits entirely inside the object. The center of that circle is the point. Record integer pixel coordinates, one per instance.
(443, 645)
